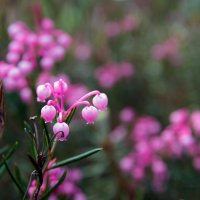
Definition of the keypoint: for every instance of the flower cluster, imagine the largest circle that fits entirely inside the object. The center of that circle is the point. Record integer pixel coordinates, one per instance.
(47, 45)
(74, 92)
(127, 24)
(153, 146)
(69, 186)
(168, 50)
(108, 75)
(56, 94)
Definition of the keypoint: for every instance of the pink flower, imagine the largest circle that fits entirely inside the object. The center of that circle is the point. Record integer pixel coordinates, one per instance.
(26, 95)
(61, 130)
(167, 50)
(48, 113)
(195, 121)
(127, 115)
(47, 24)
(112, 29)
(14, 73)
(56, 105)
(43, 92)
(47, 45)
(196, 162)
(100, 101)
(60, 87)
(25, 67)
(15, 46)
(179, 116)
(129, 23)
(89, 113)
(126, 163)
(64, 39)
(80, 196)
(47, 63)
(109, 74)
(12, 57)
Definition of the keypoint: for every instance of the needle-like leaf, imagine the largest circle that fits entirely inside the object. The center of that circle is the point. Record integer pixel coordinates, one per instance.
(20, 188)
(28, 130)
(10, 153)
(70, 116)
(18, 175)
(2, 169)
(46, 134)
(3, 149)
(76, 158)
(37, 167)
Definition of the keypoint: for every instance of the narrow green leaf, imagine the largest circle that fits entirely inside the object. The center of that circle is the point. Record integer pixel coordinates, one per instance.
(46, 134)
(18, 175)
(49, 192)
(37, 167)
(76, 158)
(10, 153)
(33, 149)
(71, 114)
(28, 130)
(2, 169)
(13, 178)
(3, 149)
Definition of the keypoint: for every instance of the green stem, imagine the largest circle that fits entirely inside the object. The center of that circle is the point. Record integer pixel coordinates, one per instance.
(13, 178)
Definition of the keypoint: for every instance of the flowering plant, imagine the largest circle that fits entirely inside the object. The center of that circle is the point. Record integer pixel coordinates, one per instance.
(48, 174)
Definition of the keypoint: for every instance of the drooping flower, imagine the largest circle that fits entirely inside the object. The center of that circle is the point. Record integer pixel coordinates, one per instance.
(55, 95)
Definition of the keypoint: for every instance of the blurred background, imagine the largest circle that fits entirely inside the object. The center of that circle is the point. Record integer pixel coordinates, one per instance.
(144, 54)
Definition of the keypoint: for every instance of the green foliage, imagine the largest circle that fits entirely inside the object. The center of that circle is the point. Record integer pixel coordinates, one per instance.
(76, 158)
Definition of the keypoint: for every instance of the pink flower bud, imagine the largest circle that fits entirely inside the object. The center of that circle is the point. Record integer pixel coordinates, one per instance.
(21, 83)
(4, 69)
(25, 67)
(126, 164)
(12, 57)
(26, 95)
(61, 130)
(47, 63)
(14, 73)
(127, 115)
(14, 28)
(43, 92)
(31, 39)
(21, 37)
(65, 40)
(60, 87)
(48, 113)
(89, 113)
(47, 24)
(10, 84)
(57, 52)
(179, 116)
(100, 101)
(45, 40)
(15, 47)
(79, 196)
